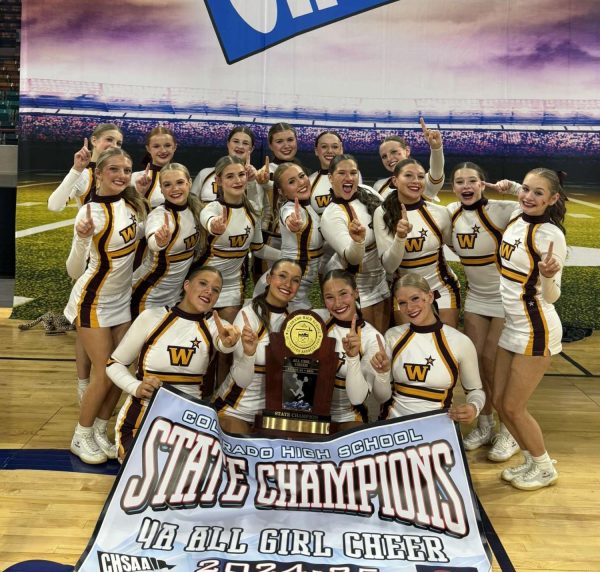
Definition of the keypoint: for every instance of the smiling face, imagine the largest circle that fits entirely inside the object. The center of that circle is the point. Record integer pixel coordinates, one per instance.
(113, 175)
(283, 281)
(175, 186)
(467, 186)
(340, 299)
(294, 183)
(233, 180)
(410, 182)
(240, 145)
(161, 148)
(284, 145)
(344, 180)
(536, 195)
(328, 146)
(201, 292)
(107, 140)
(391, 153)
(415, 305)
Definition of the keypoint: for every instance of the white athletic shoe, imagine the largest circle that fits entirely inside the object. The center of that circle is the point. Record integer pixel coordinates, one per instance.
(86, 448)
(105, 444)
(512, 473)
(478, 437)
(503, 447)
(536, 477)
(82, 385)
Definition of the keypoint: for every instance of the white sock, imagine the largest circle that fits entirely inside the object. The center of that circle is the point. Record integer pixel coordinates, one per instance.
(83, 382)
(100, 425)
(543, 461)
(81, 430)
(486, 421)
(526, 455)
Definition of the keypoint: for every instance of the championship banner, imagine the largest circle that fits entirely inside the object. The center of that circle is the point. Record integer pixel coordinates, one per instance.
(390, 497)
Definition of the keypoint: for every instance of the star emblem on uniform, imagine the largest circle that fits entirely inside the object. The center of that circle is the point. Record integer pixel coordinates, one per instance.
(517, 242)
(195, 343)
(424, 232)
(476, 229)
(247, 230)
(132, 218)
(531, 303)
(429, 361)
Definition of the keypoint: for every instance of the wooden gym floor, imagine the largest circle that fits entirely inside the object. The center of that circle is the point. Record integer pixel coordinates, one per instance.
(50, 514)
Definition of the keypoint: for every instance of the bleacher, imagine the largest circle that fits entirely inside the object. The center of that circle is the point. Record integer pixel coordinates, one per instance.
(10, 46)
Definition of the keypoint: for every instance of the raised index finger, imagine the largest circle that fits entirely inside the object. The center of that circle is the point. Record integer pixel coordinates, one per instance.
(380, 344)
(353, 325)
(246, 321)
(550, 249)
(423, 125)
(166, 219)
(404, 215)
(267, 163)
(218, 322)
(88, 211)
(352, 213)
(147, 171)
(85, 143)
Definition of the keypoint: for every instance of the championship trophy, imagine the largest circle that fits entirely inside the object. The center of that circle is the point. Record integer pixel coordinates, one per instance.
(300, 375)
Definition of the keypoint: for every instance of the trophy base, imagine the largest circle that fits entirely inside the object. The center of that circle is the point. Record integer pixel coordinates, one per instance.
(292, 424)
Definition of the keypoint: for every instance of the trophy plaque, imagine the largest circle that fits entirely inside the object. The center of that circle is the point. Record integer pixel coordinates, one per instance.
(300, 375)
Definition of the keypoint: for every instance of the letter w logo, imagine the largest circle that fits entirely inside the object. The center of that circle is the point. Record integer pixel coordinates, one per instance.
(128, 234)
(180, 355)
(414, 244)
(466, 241)
(323, 200)
(506, 250)
(237, 241)
(416, 371)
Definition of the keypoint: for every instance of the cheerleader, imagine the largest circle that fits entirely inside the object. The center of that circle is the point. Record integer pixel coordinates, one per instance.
(240, 143)
(234, 229)
(477, 227)
(107, 230)
(411, 234)
(427, 359)
(79, 184)
(357, 343)
(328, 145)
(172, 346)
(80, 180)
(301, 238)
(346, 226)
(242, 395)
(160, 148)
(395, 149)
(532, 255)
(172, 234)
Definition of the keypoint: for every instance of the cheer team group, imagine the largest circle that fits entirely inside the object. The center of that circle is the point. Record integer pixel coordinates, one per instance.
(161, 264)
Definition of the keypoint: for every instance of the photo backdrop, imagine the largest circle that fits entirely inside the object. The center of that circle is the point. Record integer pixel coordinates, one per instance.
(511, 85)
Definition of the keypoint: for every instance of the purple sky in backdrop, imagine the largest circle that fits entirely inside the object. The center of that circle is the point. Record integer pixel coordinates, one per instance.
(473, 49)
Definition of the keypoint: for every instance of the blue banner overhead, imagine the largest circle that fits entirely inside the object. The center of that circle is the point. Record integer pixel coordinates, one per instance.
(245, 27)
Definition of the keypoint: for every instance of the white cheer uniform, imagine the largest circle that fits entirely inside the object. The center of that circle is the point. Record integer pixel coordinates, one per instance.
(102, 294)
(153, 195)
(422, 250)
(532, 326)
(159, 279)
(242, 394)
(304, 246)
(427, 362)
(76, 185)
(352, 373)
(227, 251)
(476, 236)
(170, 344)
(361, 259)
